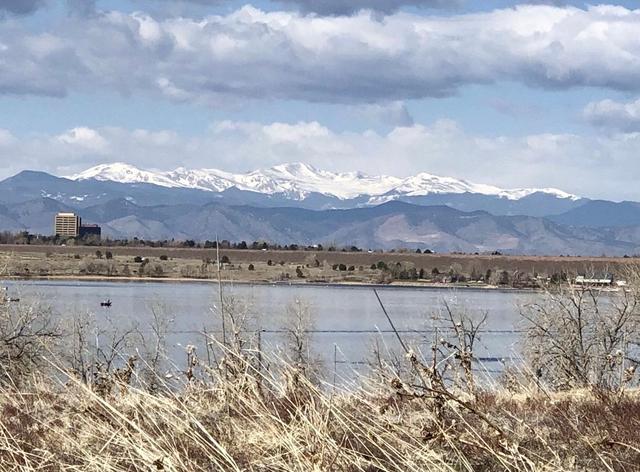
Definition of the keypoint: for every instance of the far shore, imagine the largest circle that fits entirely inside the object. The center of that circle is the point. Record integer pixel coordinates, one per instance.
(301, 268)
(294, 283)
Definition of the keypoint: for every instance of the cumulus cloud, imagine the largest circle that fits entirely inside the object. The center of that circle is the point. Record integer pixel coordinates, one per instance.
(346, 7)
(83, 137)
(335, 7)
(612, 115)
(598, 166)
(354, 59)
(20, 7)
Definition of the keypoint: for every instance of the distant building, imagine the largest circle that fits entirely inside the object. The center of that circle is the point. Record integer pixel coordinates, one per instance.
(70, 225)
(90, 230)
(67, 224)
(603, 279)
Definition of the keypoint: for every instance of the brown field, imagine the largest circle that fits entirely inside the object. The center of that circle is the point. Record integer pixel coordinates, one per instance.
(31, 260)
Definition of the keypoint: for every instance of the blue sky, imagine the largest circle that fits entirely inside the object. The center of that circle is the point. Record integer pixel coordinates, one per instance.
(542, 95)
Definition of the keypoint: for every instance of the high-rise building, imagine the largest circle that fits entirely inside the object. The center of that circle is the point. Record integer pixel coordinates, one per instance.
(67, 224)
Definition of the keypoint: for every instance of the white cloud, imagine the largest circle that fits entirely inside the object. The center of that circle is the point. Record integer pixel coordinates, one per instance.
(342, 7)
(587, 165)
(386, 114)
(83, 137)
(614, 115)
(361, 58)
(322, 7)
(284, 132)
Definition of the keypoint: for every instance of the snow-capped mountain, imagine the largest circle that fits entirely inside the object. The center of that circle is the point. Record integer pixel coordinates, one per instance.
(295, 203)
(298, 180)
(124, 173)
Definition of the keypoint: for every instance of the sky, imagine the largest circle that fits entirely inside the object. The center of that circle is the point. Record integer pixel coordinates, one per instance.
(545, 94)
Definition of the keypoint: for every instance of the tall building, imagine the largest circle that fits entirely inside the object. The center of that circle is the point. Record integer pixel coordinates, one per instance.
(67, 224)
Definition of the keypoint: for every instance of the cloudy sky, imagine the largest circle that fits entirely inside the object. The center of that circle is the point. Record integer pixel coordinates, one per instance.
(545, 94)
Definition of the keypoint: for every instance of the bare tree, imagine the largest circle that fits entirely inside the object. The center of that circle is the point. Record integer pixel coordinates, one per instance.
(297, 331)
(583, 337)
(461, 347)
(297, 324)
(237, 348)
(101, 356)
(27, 333)
(80, 353)
(154, 349)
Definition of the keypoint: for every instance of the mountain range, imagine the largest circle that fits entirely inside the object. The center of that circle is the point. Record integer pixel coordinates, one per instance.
(296, 203)
(297, 181)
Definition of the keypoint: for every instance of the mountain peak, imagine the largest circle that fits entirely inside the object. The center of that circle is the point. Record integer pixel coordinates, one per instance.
(296, 168)
(123, 173)
(297, 180)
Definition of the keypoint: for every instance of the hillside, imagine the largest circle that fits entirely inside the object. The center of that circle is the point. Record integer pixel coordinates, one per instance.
(386, 226)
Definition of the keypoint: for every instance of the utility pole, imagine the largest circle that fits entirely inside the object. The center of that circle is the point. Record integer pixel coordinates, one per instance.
(224, 327)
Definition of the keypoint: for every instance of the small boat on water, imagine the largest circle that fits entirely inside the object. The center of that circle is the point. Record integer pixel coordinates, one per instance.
(4, 296)
(106, 303)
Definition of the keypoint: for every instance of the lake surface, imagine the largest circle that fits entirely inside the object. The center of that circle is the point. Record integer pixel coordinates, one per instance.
(346, 320)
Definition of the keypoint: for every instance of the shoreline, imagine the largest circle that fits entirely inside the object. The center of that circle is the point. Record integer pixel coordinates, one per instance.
(345, 284)
(529, 274)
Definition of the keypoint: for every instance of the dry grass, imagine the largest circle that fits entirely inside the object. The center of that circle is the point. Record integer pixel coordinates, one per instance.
(282, 422)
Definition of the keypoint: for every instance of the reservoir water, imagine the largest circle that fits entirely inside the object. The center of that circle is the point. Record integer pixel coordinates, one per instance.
(347, 321)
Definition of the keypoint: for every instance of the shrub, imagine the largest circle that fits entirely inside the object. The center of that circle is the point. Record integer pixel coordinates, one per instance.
(108, 255)
(576, 338)
(26, 336)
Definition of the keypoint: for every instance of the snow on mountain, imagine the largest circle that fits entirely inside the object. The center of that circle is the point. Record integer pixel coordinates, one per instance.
(124, 173)
(298, 180)
(204, 179)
